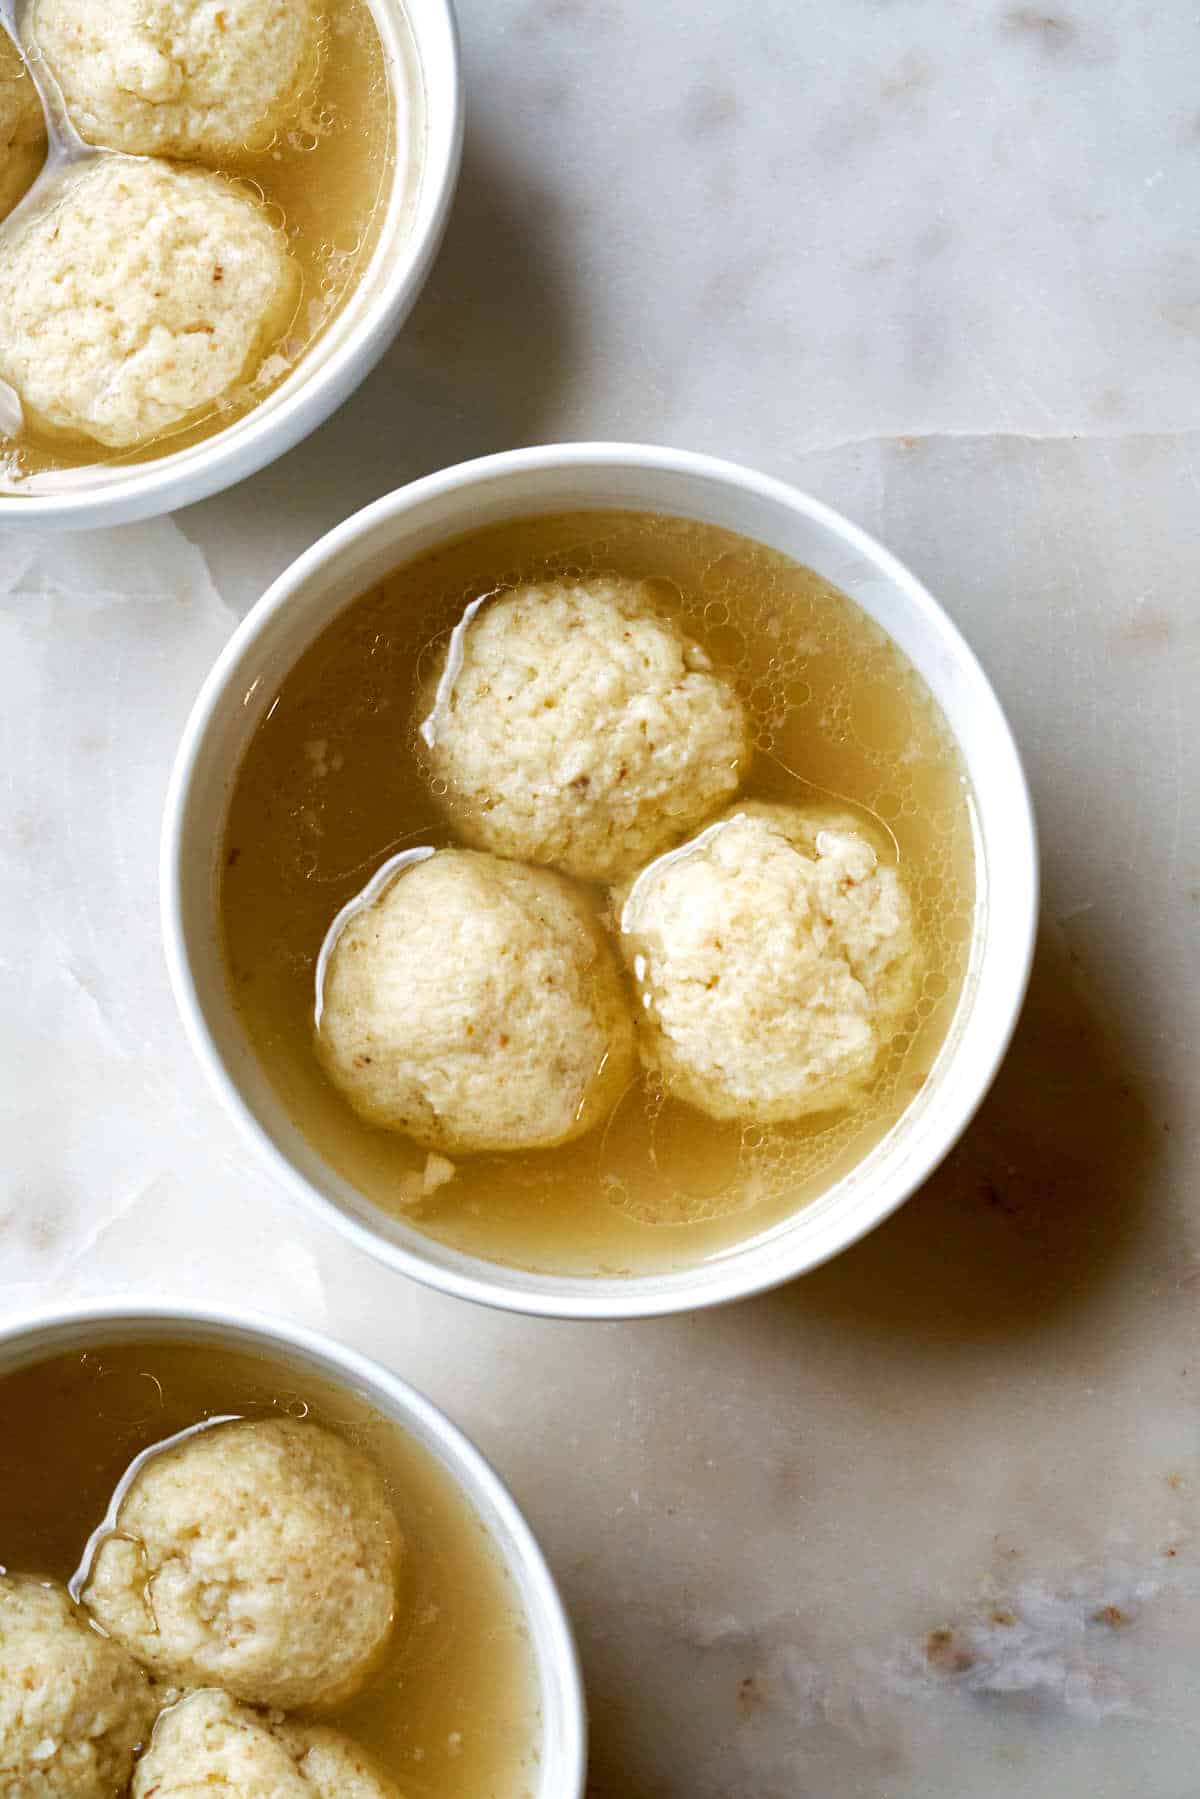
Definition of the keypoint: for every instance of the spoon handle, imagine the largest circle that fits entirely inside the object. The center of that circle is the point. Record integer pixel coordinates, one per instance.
(65, 144)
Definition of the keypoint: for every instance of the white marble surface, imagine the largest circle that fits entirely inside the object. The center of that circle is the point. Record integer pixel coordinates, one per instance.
(923, 1526)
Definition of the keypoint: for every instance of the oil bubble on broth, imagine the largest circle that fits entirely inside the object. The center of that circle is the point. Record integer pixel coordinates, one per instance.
(332, 785)
(452, 1710)
(323, 179)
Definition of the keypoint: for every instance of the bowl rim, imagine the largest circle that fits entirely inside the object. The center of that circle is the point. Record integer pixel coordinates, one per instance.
(543, 1295)
(268, 434)
(465, 1464)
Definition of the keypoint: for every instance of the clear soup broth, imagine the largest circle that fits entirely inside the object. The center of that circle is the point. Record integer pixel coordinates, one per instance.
(325, 181)
(332, 785)
(452, 1713)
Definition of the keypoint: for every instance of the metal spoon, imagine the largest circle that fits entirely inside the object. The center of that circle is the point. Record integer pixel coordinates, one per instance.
(64, 146)
(65, 149)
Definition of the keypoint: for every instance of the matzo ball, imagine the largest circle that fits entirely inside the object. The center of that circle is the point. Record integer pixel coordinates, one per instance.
(74, 1706)
(138, 299)
(476, 1004)
(774, 957)
(259, 1556)
(186, 78)
(210, 1745)
(575, 725)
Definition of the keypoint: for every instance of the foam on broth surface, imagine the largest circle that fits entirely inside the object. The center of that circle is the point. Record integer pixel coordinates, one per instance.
(331, 786)
(452, 1713)
(325, 180)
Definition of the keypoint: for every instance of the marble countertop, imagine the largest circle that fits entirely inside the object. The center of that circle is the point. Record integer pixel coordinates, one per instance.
(924, 1525)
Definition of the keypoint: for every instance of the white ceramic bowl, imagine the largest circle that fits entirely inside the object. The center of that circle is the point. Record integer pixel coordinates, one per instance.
(563, 1749)
(569, 478)
(420, 42)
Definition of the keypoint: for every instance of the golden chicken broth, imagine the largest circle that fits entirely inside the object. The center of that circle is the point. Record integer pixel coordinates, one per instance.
(332, 785)
(452, 1712)
(325, 180)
